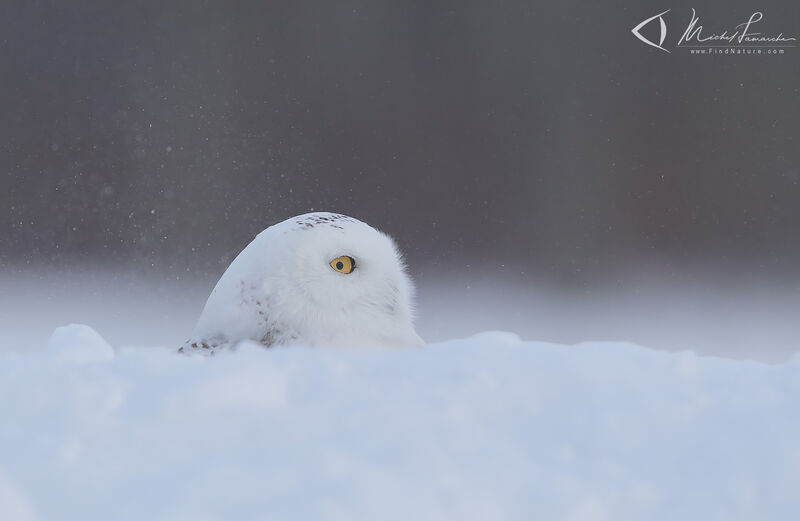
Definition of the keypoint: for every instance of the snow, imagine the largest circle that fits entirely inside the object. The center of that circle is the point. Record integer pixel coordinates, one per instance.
(78, 344)
(488, 427)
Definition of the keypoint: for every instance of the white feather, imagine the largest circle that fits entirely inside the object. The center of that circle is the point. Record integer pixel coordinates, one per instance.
(281, 289)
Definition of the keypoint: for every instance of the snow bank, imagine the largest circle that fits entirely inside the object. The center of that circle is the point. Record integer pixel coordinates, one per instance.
(78, 344)
(485, 428)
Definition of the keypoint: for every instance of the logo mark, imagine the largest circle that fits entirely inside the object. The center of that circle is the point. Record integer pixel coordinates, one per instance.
(663, 36)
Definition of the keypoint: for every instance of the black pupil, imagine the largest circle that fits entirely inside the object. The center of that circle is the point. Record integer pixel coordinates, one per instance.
(340, 265)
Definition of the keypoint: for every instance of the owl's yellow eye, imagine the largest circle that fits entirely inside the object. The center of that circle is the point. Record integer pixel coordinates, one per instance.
(344, 264)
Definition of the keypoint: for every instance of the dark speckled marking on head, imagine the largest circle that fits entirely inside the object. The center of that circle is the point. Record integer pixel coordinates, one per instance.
(311, 221)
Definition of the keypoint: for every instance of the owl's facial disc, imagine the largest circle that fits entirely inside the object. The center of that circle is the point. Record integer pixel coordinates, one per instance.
(344, 264)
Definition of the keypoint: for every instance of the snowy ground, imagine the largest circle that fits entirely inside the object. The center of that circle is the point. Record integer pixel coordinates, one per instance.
(484, 428)
(489, 427)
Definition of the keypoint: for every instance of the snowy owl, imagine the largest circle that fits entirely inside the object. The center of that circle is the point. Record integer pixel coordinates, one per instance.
(319, 279)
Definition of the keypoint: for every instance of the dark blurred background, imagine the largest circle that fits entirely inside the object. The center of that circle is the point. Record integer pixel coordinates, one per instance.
(541, 134)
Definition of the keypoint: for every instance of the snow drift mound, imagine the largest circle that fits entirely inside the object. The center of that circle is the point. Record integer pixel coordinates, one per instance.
(483, 428)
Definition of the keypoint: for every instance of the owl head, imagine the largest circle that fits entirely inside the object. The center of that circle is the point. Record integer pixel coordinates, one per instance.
(319, 279)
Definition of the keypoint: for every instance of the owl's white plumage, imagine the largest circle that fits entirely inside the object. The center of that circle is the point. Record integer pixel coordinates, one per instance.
(281, 289)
